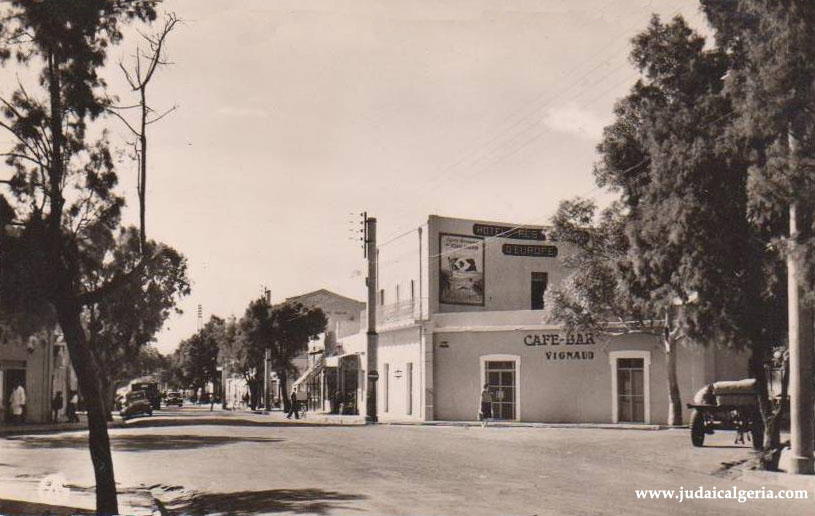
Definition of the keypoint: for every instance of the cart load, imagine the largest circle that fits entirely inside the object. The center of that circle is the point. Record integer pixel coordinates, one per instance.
(727, 405)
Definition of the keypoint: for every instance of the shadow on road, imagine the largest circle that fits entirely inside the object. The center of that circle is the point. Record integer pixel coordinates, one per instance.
(136, 443)
(304, 501)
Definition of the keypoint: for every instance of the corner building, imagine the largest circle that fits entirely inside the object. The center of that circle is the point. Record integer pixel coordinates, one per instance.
(460, 305)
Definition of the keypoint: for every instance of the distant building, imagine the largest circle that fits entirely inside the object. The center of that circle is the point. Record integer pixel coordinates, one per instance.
(41, 364)
(459, 307)
(328, 373)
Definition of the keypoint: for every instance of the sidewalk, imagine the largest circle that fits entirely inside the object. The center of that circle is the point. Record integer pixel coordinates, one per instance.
(44, 428)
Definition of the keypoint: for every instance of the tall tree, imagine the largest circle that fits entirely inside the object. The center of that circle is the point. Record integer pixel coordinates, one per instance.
(248, 351)
(295, 326)
(61, 188)
(771, 81)
(683, 188)
(145, 64)
(285, 330)
(197, 356)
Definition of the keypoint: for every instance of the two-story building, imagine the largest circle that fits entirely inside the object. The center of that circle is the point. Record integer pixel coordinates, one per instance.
(460, 306)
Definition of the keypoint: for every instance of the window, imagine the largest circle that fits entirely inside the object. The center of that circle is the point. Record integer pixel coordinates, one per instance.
(397, 293)
(412, 290)
(539, 282)
(382, 297)
(409, 388)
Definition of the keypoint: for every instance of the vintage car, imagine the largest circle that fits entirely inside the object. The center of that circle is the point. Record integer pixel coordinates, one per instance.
(174, 398)
(136, 403)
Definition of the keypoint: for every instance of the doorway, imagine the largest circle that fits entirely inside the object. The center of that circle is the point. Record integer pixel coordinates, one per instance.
(500, 376)
(11, 378)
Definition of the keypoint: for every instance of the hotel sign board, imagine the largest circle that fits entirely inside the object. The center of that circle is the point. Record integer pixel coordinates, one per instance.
(516, 233)
(540, 251)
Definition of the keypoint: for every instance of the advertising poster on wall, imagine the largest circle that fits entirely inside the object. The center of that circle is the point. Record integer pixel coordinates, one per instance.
(461, 274)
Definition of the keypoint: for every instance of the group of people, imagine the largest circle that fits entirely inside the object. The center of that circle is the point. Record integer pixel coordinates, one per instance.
(297, 397)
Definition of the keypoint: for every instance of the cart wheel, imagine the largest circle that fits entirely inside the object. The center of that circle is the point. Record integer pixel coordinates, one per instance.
(697, 428)
(757, 432)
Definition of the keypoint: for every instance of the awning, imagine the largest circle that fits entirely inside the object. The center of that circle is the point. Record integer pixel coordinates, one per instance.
(335, 360)
(310, 373)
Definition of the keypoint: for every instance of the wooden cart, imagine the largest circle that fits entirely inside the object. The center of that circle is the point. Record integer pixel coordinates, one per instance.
(727, 406)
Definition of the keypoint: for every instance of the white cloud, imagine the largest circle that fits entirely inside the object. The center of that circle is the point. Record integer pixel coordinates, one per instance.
(572, 119)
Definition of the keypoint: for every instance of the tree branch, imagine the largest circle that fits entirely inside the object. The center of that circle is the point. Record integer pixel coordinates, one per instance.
(94, 296)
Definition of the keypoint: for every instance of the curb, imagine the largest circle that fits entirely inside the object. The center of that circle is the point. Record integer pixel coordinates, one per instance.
(497, 424)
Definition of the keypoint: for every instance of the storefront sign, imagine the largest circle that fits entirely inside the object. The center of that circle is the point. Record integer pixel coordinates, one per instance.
(541, 251)
(516, 233)
(557, 339)
(461, 270)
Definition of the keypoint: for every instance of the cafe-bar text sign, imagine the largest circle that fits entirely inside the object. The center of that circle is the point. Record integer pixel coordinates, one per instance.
(570, 341)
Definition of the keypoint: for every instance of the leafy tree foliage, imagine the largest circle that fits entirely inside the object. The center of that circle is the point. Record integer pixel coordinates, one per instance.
(771, 81)
(120, 324)
(284, 329)
(680, 234)
(196, 358)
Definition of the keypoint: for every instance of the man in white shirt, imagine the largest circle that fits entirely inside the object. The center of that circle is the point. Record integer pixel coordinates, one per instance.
(18, 404)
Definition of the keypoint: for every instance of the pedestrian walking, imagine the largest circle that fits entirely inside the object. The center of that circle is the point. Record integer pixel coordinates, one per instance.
(73, 401)
(56, 406)
(293, 409)
(485, 400)
(18, 404)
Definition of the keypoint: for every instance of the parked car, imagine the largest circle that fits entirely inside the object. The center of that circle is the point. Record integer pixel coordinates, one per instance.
(136, 403)
(174, 398)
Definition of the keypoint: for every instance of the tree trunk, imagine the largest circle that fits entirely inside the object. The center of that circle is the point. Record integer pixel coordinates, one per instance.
(674, 398)
(771, 416)
(284, 389)
(68, 313)
(142, 189)
(68, 309)
(107, 389)
(670, 341)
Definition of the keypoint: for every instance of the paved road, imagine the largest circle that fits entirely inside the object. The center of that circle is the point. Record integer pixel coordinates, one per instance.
(246, 467)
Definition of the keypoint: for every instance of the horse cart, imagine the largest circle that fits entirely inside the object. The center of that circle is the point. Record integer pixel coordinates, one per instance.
(729, 405)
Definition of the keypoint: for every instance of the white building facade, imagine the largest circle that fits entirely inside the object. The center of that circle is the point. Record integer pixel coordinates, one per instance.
(460, 306)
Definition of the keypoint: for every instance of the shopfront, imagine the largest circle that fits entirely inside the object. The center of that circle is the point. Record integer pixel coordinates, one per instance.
(546, 375)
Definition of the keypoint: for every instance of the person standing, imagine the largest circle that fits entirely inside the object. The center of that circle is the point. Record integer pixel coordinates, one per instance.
(18, 404)
(485, 411)
(293, 409)
(56, 406)
(73, 401)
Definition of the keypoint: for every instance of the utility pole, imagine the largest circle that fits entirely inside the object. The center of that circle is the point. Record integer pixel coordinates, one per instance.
(371, 252)
(267, 295)
(801, 341)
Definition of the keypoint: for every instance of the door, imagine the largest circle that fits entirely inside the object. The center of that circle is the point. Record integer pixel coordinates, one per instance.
(11, 379)
(500, 378)
(631, 390)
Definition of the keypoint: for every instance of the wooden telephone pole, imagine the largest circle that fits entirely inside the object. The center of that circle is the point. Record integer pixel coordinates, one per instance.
(371, 252)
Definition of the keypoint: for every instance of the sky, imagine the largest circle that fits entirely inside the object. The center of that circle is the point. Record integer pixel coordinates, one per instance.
(295, 116)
